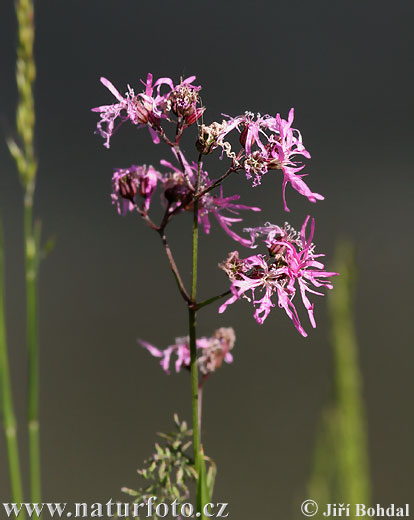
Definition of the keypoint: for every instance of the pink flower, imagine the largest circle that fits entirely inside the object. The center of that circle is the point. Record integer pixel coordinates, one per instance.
(179, 188)
(270, 143)
(148, 108)
(180, 348)
(285, 144)
(216, 206)
(138, 109)
(183, 100)
(126, 183)
(289, 265)
(177, 192)
(214, 351)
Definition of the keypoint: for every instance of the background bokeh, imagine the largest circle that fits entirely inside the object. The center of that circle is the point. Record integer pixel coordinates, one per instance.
(346, 68)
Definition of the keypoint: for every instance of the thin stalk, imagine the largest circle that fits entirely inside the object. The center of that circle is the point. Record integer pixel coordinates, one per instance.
(212, 300)
(192, 316)
(7, 407)
(24, 156)
(200, 398)
(32, 347)
(194, 385)
(179, 156)
(174, 268)
(217, 182)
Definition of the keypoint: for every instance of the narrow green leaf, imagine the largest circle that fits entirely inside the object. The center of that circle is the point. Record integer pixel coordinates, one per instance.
(203, 495)
(211, 476)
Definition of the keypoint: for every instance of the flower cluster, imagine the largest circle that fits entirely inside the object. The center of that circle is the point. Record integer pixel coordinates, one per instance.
(127, 183)
(177, 191)
(265, 143)
(289, 265)
(149, 107)
(214, 351)
(180, 196)
(269, 143)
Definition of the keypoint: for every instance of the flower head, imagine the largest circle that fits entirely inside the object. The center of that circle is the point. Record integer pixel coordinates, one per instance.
(149, 107)
(214, 351)
(226, 210)
(138, 109)
(269, 143)
(126, 183)
(289, 265)
(184, 99)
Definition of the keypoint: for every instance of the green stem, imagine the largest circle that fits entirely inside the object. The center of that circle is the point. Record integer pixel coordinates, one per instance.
(192, 315)
(9, 418)
(194, 385)
(32, 346)
(212, 300)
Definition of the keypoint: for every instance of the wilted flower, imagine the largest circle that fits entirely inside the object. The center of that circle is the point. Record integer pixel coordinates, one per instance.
(214, 351)
(290, 264)
(126, 183)
(212, 136)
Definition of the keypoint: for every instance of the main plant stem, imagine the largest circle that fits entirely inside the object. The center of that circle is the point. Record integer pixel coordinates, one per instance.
(7, 407)
(192, 315)
(32, 347)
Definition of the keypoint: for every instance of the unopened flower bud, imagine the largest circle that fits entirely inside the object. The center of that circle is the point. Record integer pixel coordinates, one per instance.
(175, 190)
(146, 186)
(127, 188)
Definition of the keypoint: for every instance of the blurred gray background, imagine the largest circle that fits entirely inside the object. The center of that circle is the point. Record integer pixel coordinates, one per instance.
(346, 67)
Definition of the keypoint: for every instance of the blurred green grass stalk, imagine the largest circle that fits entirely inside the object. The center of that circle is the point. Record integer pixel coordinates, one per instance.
(341, 464)
(24, 156)
(6, 399)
